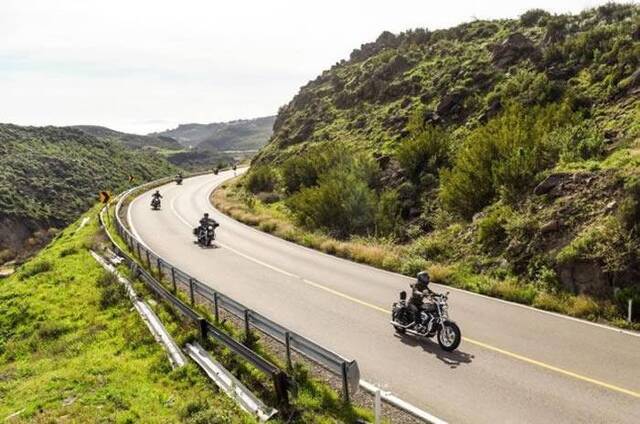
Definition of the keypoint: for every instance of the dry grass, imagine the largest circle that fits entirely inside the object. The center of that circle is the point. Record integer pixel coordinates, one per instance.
(440, 274)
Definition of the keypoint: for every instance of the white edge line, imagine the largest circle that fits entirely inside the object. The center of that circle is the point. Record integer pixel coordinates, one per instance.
(445, 287)
(401, 404)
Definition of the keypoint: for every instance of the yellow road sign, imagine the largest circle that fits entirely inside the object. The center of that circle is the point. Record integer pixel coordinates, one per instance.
(105, 196)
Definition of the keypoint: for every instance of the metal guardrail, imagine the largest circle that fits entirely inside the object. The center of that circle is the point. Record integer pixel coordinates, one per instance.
(347, 370)
(279, 377)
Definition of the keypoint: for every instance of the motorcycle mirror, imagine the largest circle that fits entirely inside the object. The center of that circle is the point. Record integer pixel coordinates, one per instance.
(403, 295)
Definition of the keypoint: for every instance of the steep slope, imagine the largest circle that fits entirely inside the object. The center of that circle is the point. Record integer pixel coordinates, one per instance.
(504, 155)
(49, 175)
(460, 77)
(130, 140)
(243, 134)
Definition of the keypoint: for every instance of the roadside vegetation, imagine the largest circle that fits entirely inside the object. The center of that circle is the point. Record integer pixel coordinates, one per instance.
(501, 155)
(72, 348)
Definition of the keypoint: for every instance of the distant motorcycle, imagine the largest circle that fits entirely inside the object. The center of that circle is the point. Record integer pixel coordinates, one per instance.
(205, 234)
(179, 180)
(433, 319)
(155, 203)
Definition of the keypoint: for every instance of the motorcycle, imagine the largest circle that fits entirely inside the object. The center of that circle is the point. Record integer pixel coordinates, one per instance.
(155, 203)
(205, 235)
(433, 319)
(179, 180)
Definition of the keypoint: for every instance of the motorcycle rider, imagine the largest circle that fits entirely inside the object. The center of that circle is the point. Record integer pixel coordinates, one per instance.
(205, 221)
(419, 290)
(157, 195)
(179, 178)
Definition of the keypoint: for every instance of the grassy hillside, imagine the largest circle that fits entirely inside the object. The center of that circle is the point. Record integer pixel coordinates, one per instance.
(49, 175)
(72, 348)
(243, 134)
(130, 140)
(503, 155)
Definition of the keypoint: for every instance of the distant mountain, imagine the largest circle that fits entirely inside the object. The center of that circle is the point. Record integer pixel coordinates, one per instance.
(130, 140)
(239, 135)
(50, 175)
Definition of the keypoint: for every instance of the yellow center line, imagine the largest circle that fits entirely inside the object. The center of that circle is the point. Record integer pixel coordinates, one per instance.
(489, 347)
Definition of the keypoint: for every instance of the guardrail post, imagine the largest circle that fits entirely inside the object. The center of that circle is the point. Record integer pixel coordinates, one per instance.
(159, 263)
(247, 330)
(202, 325)
(630, 311)
(377, 407)
(287, 343)
(216, 311)
(191, 296)
(148, 259)
(280, 384)
(138, 250)
(173, 280)
(345, 383)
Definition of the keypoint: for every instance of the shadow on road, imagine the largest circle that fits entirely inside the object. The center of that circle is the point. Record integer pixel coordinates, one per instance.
(451, 359)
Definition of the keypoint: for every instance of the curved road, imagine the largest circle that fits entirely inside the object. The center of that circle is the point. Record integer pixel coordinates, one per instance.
(515, 364)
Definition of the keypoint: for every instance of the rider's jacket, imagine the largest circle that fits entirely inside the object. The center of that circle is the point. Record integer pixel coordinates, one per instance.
(157, 196)
(208, 221)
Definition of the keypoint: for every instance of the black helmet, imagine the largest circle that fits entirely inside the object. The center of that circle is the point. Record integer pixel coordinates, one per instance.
(206, 215)
(423, 277)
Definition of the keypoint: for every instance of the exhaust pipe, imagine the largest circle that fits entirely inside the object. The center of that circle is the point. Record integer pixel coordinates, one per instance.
(397, 324)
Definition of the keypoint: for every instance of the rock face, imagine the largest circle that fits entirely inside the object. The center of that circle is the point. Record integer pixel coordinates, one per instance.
(584, 278)
(513, 49)
(553, 181)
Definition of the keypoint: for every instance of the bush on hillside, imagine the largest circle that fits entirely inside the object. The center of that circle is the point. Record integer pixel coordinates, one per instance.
(426, 151)
(629, 210)
(502, 158)
(261, 179)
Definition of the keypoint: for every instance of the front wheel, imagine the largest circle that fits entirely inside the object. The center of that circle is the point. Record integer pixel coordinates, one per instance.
(449, 336)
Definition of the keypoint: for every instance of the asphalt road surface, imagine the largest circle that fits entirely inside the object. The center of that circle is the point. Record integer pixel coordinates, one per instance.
(515, 364)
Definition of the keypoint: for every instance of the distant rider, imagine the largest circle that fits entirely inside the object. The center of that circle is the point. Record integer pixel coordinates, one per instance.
(419, 290)
(157, 195)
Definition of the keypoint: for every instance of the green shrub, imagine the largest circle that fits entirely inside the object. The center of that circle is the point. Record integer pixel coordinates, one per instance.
(426, 151)
(342, 204)
(268, 197)
(305, 169)
(387, 217)
(533, 17)
(579, 142)
(261, 178)
(413, 265)
(112, 293)
(492, 228)
(502, 157)
(629, 210)
(35, 268)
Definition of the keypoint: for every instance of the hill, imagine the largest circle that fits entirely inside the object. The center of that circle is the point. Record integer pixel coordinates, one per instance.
(130, 140)
(504, 155)
(49, 175)
(239, 135)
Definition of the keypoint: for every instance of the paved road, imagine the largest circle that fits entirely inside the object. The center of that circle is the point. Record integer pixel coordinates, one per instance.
(515, 364)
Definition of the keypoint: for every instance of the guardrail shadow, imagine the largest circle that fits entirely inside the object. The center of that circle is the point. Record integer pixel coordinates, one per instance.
(451, 359)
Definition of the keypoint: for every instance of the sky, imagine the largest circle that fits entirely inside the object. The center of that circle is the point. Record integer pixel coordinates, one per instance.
(141, 66)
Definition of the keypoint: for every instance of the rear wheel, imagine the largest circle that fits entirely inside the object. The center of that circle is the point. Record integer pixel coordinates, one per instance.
(449, 336)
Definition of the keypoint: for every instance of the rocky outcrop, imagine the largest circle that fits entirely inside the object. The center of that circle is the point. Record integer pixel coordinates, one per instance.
(513, 49)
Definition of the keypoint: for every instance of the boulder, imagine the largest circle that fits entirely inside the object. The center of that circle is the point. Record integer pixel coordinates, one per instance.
(550, 226)
(513, 49)
(551, 182)
(451, 104)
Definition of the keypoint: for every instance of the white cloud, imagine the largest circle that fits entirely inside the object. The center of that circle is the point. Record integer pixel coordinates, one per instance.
(142, 65)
